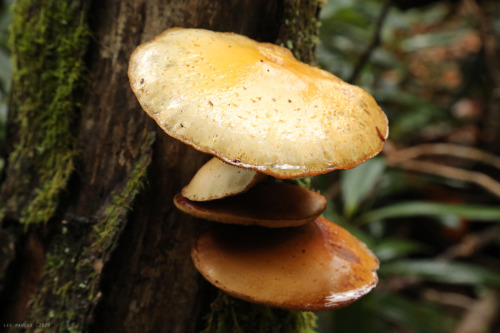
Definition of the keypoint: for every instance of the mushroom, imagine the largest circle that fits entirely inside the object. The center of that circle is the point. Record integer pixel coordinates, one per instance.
(269, 204)
(314, 267)
(217, 179)
(254, 105)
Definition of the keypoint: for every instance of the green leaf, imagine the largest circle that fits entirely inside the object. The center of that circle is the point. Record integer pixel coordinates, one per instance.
(357, 183)
(440, 271)
(331, 213)
(422, 316)
(392, 248)
(440, 39)
(433, 209)
(347, 319)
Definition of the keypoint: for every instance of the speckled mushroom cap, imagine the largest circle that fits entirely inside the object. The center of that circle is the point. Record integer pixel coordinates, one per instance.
(253, 104)
(315, 267)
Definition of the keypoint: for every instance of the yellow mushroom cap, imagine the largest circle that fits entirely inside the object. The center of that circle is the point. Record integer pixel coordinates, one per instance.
(315, 267)
(254, 105)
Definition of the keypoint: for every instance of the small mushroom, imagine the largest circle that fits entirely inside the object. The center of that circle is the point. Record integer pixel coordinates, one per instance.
(254, 105)
(270, 204)
(217, 179)
(315, 267)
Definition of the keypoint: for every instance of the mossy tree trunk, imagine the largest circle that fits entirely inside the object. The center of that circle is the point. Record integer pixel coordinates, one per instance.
(90, 239)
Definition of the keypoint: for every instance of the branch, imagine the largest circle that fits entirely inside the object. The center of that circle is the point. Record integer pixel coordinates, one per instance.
(470, 244)
(405, 159)
(449, 150)
(478, 178)
(481, 315)
(487, 35)
(374, 43)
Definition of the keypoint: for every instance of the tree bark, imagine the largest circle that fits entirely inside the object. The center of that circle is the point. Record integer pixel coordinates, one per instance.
(105, 249)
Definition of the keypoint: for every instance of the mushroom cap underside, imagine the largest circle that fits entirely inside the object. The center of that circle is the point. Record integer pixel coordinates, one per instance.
(270, 204)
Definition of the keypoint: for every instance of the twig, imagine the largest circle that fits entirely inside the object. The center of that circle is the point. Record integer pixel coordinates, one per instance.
(485, 24)
(487, 35)
(475, 177)
(449, 150)
(470, 244)
(376, 39)
(481, 315)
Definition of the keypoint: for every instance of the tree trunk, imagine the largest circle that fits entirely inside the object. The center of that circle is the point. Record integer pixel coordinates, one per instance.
(90, 239)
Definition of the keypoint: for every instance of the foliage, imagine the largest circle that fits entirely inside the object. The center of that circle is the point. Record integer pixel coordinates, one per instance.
(5, 73)
(431, 217)
(412, 262)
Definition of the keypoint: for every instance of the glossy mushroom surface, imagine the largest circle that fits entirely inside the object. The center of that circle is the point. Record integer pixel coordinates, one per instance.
(270, 204)
(315, 267)
(253, 104)
(216, 180)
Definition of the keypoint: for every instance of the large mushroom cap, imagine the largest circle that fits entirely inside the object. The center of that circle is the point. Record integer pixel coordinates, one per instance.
(314, 267)
(253, 104)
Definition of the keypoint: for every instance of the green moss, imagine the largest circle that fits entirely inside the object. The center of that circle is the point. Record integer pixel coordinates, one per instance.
(300, 32)
(304, 182)
(113, 215)
(50, 301)
(70, 286)
(48, 41)
(228, 314)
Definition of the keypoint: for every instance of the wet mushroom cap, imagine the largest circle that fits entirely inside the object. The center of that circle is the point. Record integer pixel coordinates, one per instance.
(315, 267)
(269, 204)
(216, 179)
(254, 105)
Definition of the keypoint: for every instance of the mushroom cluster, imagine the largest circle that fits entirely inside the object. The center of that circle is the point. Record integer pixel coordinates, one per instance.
(265, 117)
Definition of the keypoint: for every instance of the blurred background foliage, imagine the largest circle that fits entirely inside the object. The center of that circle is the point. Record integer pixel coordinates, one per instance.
(428, 205)
(5, 73)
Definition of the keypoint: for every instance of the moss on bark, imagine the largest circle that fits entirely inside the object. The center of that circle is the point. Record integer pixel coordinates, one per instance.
(300, 28)
(232, 315)
(70, 288)
(48, 41)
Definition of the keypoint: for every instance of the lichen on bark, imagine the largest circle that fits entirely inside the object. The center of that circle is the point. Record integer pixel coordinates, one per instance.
(48, 39)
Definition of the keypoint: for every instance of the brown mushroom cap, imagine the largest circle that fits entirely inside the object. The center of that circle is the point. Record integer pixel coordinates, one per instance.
(254, 105)
(315, 267)
(217, 179)
(269, 204)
